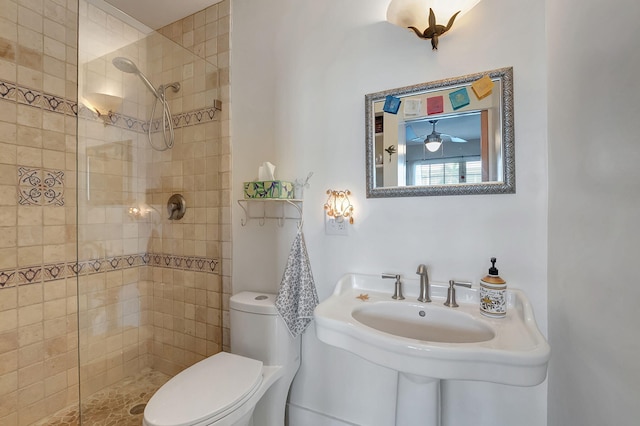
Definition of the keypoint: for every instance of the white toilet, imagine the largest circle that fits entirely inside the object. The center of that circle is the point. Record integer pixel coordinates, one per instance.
(248, 386)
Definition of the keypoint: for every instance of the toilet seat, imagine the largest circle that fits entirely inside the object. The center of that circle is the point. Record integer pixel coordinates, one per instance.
(205, 392)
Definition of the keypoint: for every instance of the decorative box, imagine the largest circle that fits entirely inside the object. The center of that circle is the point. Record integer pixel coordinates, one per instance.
(459, 98)
(268, 189)
(482, 87)
(391, 104)
(435, 105)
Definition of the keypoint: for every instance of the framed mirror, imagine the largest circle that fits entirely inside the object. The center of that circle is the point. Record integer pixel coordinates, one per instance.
(447, 137)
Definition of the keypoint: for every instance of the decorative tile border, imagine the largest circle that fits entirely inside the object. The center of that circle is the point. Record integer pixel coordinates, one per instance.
(126, 122)
(24, 95)
(184, 262)
(7, 91)
(194, 117)
(56, 271)
(40, 187)
(7, 278)
(35, 98)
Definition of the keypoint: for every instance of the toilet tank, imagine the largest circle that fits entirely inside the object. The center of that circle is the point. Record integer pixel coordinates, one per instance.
(258, 332)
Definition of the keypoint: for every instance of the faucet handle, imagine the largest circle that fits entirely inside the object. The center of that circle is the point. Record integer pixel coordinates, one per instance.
(397, 294)
(451, 292)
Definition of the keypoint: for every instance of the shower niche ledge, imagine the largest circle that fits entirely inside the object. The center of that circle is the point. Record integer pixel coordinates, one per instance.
(272, 209)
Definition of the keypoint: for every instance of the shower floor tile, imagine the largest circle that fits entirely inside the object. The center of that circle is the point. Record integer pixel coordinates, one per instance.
(111, 406)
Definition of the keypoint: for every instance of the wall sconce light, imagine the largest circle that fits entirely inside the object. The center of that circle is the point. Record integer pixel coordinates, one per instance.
(338, 205)
(103, 104)
(420, 16)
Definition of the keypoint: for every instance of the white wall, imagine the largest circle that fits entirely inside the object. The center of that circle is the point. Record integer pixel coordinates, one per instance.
(300, 71)
(594, 206)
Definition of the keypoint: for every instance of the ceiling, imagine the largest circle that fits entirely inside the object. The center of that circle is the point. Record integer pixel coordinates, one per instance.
(158, 13)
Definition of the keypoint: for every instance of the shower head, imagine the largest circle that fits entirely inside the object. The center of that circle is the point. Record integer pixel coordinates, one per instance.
(125, 65)
(128, 66)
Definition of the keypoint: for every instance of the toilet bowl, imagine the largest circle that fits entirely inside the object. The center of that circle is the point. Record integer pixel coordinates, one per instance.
(245, 387)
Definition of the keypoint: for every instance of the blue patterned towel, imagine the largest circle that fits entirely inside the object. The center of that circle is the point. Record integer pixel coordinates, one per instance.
(297, 296)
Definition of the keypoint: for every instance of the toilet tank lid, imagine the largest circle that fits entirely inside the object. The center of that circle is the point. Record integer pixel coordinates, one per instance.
(254, 302)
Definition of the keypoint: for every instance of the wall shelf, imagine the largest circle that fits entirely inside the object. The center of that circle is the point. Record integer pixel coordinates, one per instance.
(280, 210)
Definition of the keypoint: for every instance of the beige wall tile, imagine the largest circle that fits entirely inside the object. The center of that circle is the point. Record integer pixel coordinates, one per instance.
(31, 374)
(53, 253)
(30, 413)
(55, 327)
(8, 48)
(44, 61)
(34, 5)
(8, 112)
(8, 385)
(55, 290)
(8, 152)
(52, 120)
(29, 235)
(29, 156)
(29, 136)
(8, 341)
(29, 216)
(30, 294)
(30, 354)
(8, 362)
(8, 256)
(8, 406)
(29, 116)
(30, 334)
(8, 236)
(28, 315)
(30, 19)
(29, 256)
(8, 29)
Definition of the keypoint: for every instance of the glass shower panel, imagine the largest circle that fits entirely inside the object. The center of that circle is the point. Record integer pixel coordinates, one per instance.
(148, 287)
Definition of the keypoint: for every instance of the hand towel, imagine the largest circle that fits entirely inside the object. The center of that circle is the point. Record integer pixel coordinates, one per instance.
(297, 296)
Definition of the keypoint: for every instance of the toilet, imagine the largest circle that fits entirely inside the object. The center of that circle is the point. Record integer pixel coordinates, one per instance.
(246, 387)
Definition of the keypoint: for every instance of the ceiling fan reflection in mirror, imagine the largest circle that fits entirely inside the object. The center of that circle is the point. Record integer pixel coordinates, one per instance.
(433, 140)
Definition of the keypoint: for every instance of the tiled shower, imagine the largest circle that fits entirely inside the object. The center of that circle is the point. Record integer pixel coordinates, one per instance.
(99, 291)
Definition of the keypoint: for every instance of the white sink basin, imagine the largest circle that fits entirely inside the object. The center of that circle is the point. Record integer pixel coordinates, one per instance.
(446, 343)
(426, 322)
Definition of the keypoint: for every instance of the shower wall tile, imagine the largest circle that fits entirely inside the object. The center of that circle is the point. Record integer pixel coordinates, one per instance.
(35, 113)
(195, 170)
(38, 108)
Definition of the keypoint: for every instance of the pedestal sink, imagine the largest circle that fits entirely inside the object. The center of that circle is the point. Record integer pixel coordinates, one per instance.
(428, 342)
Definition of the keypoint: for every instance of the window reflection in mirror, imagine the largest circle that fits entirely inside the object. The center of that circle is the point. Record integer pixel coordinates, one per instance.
(419, 150)
(457, 159)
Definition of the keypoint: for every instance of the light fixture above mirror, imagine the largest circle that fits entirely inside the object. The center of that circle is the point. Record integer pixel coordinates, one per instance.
(421, 16)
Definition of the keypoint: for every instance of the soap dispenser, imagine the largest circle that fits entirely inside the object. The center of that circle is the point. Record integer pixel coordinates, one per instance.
(493, 293)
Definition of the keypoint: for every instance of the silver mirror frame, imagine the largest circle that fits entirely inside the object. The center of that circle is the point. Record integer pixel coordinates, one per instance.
(507, 186)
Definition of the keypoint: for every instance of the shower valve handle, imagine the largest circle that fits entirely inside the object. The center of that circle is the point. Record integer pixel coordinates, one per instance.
(176, 207)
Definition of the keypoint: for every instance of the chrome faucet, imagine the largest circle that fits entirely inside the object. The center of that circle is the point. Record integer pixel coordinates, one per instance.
(397, 294)
(424, 284)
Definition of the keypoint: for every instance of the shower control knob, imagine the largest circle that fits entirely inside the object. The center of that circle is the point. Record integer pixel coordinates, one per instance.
(176, 207)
